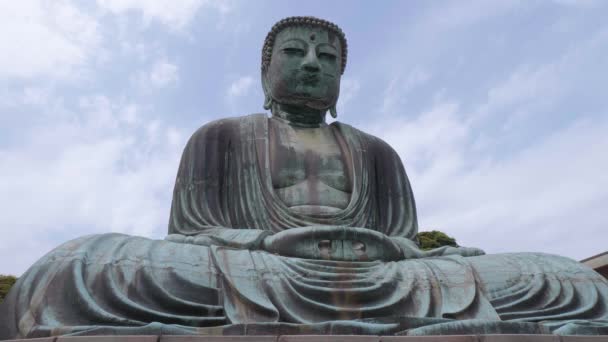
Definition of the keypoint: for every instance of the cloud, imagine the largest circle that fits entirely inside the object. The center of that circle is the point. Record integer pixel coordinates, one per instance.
(395, 94)
(535, 199)
(456, 15)
(163, 73)
(431, 144)
(109, 169)
(579, 3)
(349, 89)
(519, 94)
(539, 187)
(160, 75)
(240, 87)
(176, 14)
(81, 163)
(45, 38)
(530, 201)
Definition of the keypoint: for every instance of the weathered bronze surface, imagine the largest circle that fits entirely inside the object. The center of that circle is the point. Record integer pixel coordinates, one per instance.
(322, 338)
(289, 225)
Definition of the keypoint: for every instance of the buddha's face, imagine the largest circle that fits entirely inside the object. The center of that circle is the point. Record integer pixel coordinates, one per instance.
(305, 68)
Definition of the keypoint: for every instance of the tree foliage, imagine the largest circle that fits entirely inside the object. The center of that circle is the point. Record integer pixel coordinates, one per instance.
(435, 239)
(6, 282)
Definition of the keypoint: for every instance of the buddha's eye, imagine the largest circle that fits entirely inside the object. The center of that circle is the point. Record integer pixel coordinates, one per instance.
(293, 51)
(327, 56)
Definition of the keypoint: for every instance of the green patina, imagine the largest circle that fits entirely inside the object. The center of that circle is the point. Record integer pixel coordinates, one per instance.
(289, 225)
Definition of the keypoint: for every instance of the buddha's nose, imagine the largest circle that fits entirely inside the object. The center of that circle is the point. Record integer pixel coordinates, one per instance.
(311, 62)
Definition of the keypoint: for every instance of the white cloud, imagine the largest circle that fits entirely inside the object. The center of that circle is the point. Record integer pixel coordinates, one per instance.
(432, 144)
(349, 89)
(163, 73)
(172, 13)
(545, 194)
(45, 38)
(175, 14)
(456, 15)
(579, 3)
(534, 88)
(160, 75)
(531, 201)
(60, 40)
(395, 94)
(509, 156)
(33, 95)
(240, 87)
(108, 169)
(129, 114)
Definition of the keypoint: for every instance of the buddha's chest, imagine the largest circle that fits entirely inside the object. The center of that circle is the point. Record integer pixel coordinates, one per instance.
(308, 166)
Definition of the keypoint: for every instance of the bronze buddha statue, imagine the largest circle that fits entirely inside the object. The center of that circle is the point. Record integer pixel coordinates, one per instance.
(285, 225)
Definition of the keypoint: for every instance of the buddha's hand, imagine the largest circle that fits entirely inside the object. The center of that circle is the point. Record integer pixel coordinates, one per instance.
(225, 237)
(411, 250)
(463, 251)
(333, 243)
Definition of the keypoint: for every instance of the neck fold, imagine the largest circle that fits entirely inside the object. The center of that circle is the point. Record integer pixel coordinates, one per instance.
(298, 116)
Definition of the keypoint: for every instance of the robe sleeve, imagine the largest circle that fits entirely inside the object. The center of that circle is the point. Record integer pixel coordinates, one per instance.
(201, 210)
(395, 206)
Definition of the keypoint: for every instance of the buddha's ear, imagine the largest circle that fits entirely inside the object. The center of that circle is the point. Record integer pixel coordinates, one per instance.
(333, 112)
(266, 87)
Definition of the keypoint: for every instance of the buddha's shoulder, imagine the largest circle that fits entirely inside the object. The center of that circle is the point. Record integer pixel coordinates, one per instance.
(371, 141)
(224, 126)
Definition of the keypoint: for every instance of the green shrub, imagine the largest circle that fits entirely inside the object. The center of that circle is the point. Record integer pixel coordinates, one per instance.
(435, 239)
(6, 282)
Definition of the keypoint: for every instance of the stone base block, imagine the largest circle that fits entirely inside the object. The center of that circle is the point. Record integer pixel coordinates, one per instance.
(323, 338)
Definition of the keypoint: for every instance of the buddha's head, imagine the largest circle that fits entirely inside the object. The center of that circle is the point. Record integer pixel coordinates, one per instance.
(302, 61)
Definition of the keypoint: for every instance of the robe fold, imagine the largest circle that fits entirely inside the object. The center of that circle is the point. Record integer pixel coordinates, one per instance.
(224, 204)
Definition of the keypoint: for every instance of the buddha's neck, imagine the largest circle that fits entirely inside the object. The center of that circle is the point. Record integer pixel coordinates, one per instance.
(299, 116)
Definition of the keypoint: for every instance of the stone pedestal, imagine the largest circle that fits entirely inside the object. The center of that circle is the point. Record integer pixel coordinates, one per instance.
(325, 338)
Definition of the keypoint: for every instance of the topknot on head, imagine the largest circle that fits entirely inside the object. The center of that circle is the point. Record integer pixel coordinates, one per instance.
(301, 21)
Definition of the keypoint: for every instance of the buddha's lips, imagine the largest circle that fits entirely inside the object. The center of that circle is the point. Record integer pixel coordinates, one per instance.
(310, 79)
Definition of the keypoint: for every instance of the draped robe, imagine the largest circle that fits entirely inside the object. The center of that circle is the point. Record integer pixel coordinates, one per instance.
(224, 180)
(209, 277)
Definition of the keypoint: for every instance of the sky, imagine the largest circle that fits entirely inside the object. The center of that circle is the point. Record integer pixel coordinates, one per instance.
(498, 110)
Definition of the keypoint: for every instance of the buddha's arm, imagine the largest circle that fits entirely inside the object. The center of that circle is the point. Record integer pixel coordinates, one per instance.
(209, 207)
(221, 236)
(412, 251)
